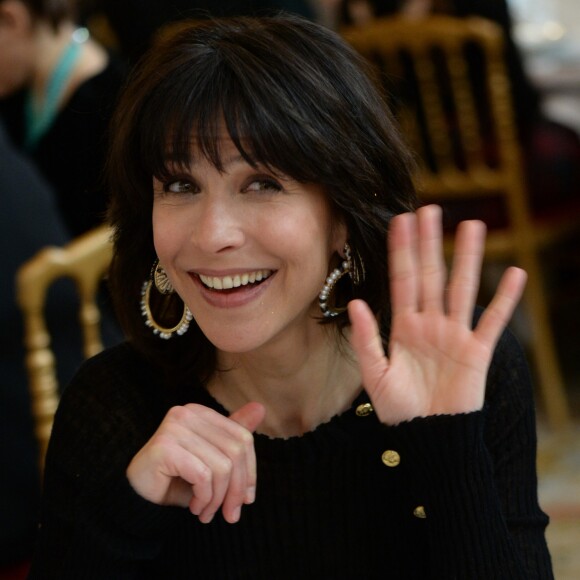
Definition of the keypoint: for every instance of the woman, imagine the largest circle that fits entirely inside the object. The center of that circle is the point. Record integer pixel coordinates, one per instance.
(57, 87)
(255, 174)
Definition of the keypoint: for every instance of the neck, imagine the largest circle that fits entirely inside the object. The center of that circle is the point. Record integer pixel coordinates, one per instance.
(50, 45)
(300, 388)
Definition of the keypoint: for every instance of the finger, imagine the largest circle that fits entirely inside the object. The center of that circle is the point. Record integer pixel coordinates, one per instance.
(496, 316)
(367, 344)
(250, 416)
(238, 483)
(178, 439)
(206, 483)
(221, 468)
(231, 438)
(210, 437)
(433, 271)
(224, 449)
(466, 270)
(175, 463)
(403, 264)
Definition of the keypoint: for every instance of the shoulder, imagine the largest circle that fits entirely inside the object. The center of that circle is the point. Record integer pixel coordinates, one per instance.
(101, 88)
(116, 386)
(110, 408)
(93, 100)
(26, 202)
(122, 360)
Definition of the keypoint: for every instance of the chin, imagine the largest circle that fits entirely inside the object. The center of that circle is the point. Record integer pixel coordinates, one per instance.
(233, 343)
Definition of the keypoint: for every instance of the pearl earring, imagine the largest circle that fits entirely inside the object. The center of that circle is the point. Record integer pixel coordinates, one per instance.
(344, 269)
(160, 280)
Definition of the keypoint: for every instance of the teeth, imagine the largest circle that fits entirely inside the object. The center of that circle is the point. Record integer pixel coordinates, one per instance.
(236, 281)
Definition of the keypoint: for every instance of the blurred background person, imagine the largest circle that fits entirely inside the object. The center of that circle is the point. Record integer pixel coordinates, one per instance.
(57, 89)
(29, 221)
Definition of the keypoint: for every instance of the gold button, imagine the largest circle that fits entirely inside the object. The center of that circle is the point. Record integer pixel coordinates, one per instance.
(364, 410)
(419, 512)
(391, 458)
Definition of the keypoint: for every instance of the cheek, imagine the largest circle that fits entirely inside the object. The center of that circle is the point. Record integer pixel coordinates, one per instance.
(306, 241)
(15, 66)
(165, 234)
(11, 79)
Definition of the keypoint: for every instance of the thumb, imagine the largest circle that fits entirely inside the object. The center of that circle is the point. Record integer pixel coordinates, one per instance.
(249, 416)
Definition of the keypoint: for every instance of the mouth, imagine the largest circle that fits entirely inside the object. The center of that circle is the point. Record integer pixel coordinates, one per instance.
(224, 283)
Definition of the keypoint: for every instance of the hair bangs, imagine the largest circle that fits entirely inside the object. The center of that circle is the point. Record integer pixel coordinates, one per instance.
(193, 114)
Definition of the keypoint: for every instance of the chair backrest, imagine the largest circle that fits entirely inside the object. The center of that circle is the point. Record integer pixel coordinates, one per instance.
(449, 87)
(85, 260)
(450, 90)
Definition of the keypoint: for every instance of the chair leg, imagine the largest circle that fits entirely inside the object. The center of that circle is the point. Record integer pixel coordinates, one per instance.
(543, 342)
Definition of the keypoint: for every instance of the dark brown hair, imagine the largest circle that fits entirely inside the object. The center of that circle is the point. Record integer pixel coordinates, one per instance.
(294, 97)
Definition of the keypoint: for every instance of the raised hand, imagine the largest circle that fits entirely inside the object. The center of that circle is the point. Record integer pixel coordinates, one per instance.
(437, 364)
(200, 459)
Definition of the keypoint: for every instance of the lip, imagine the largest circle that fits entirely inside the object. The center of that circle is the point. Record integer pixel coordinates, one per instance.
(224, 273)
(234, 298)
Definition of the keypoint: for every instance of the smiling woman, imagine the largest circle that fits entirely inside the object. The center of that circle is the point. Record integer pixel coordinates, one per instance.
(223, 99)
(296, 358)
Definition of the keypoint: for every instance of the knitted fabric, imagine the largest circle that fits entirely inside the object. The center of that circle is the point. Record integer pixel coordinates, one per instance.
(327, 506)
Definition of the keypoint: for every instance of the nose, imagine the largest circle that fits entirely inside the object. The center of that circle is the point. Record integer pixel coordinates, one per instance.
(218, 226)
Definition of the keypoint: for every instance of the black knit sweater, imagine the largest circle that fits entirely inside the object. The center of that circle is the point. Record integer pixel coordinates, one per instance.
(460, 503)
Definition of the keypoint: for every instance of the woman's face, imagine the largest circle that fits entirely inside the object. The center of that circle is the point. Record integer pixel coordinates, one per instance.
(248, 251)
(17, 47)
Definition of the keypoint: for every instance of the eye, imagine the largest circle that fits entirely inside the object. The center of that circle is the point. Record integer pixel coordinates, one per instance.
(265, 184)
(180, 186)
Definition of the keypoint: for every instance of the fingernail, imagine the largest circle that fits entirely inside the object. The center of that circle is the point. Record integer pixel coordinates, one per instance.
(250, 495)
(206, 518)
(236, 515)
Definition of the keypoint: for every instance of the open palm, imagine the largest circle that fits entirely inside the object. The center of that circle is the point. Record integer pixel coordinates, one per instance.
(437, 364)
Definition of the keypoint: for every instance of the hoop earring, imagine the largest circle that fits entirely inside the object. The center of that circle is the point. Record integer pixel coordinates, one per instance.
(344, 269)
(159, 278)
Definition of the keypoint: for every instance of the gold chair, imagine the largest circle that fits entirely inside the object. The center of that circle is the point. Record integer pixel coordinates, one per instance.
(451, 93)
(85, 260)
